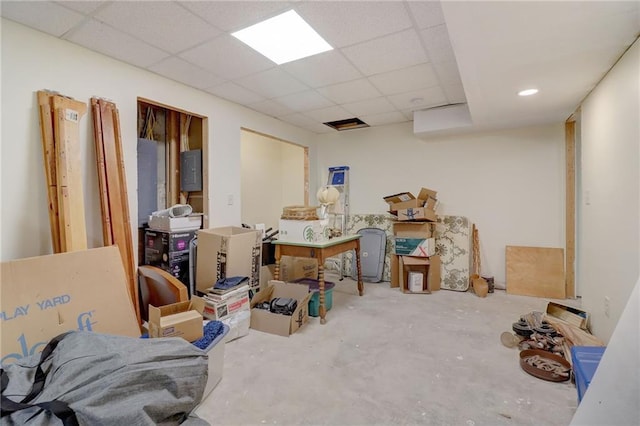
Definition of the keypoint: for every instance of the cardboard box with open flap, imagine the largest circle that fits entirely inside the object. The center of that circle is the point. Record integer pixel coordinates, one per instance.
(42, 297)
(428, 266)
(181, 319)
(283, 325)
(427, 198)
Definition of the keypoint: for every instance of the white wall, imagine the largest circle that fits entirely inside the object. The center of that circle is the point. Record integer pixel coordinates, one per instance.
(272, 177)
(509, 183)
(609, 225)
(32, 61)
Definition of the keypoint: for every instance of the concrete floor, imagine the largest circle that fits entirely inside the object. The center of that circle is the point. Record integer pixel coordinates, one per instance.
(389, 358)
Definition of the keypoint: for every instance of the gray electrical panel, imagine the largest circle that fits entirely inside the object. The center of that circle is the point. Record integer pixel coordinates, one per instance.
(191, 170)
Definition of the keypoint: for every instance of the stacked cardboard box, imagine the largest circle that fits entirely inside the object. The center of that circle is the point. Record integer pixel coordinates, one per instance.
(415, 267)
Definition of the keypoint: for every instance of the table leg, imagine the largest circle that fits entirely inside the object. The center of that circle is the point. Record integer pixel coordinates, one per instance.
(360, 284)
(276, 272)
(322, 309)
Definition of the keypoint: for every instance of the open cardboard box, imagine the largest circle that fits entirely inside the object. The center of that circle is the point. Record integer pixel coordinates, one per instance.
(428, 266)
(427, 198)
(182, 319)
(283, 325)
(42, 297)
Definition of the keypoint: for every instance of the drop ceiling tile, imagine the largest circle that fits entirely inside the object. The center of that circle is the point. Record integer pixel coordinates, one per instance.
(184, 72)
(385, 118)
(271, 108)
(163, 24)
(436, 40)
(424, 98)
(84, 7)
(345, 23)
(349, 91)
(369, 107)
(400, 81)
(101, 38)
(272, 83)
(331, 113)
(236, 15)
(297, 119)
(447, 72)
(387, 53)
(234, 93)
(455, 93)
(322, 69)
(426, 13)
(319, 128)
(39, 15)
(305, 101)
(227, 57)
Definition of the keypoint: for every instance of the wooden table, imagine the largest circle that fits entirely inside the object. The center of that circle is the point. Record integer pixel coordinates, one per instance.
(320, 251)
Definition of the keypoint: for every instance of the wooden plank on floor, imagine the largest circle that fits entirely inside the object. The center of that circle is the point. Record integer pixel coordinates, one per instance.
(45, 105)
(67, 114)
(535, 271)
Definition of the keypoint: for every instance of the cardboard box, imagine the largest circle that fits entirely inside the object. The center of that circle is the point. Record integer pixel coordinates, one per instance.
(421, 247)
(395, 271)
(42, 297)
(182, 319)
(429, 267)
(174, 224)
(417, 213)
(169, 251)
(304, 231)
(413, 229)
(294, 268)
(283, 325)
(228, 252)
(426, 198)
(228, 305)
(574, 316)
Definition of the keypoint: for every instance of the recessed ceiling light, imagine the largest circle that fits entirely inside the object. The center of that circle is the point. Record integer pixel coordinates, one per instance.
(283, 38)
(527, 92)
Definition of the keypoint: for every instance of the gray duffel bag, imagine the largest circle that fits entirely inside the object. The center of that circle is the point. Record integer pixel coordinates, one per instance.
(85, 378)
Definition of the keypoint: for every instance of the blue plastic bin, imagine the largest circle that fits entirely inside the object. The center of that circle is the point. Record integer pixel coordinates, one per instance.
(585, 360)
(314, 302)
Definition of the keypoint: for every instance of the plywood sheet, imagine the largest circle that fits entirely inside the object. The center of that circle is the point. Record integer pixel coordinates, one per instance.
(535, 271)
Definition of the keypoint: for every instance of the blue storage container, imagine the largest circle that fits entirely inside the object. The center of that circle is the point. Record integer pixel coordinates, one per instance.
(314, 301)
(585, 360)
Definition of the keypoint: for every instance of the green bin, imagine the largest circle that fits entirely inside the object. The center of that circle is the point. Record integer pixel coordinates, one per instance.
(314, 302)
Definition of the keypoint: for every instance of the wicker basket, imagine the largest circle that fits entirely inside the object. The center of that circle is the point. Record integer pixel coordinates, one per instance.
(299, 213)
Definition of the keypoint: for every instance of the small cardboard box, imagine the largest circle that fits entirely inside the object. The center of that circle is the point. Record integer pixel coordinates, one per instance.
(304, 231)
(421, 247)
(413, 229)
(294, 268)
(283, 325)
(426, 198)
(574, 316)
(174, 224)
(42, 297)
(429, 267)
(228, 252)
(417, 213)
(182, 319)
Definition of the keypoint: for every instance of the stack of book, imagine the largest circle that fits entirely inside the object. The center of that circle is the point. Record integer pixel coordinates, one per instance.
(220, 304)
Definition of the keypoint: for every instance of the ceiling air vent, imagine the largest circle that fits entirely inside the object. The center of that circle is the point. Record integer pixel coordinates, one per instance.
(347, 124)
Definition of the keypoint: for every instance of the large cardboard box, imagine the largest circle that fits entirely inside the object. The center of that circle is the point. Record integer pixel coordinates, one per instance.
(304, 231)
(42, 297)
(182, 319)
(421, 247)
(429, 267)
(228, 252)
(294, 268)
(169, 251)
(413, 229)
(283, 325)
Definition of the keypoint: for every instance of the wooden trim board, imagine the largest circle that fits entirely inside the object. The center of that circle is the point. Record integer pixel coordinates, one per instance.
(570, 203)
(535, 271)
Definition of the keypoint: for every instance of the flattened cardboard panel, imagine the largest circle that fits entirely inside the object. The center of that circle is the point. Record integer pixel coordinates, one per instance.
(535, 271)
(44, 296)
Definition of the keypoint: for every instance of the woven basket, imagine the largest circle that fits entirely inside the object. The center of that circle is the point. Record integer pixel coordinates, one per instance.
(299, 213)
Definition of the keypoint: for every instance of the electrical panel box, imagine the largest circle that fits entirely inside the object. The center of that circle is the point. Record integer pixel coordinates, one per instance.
(191, 170)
